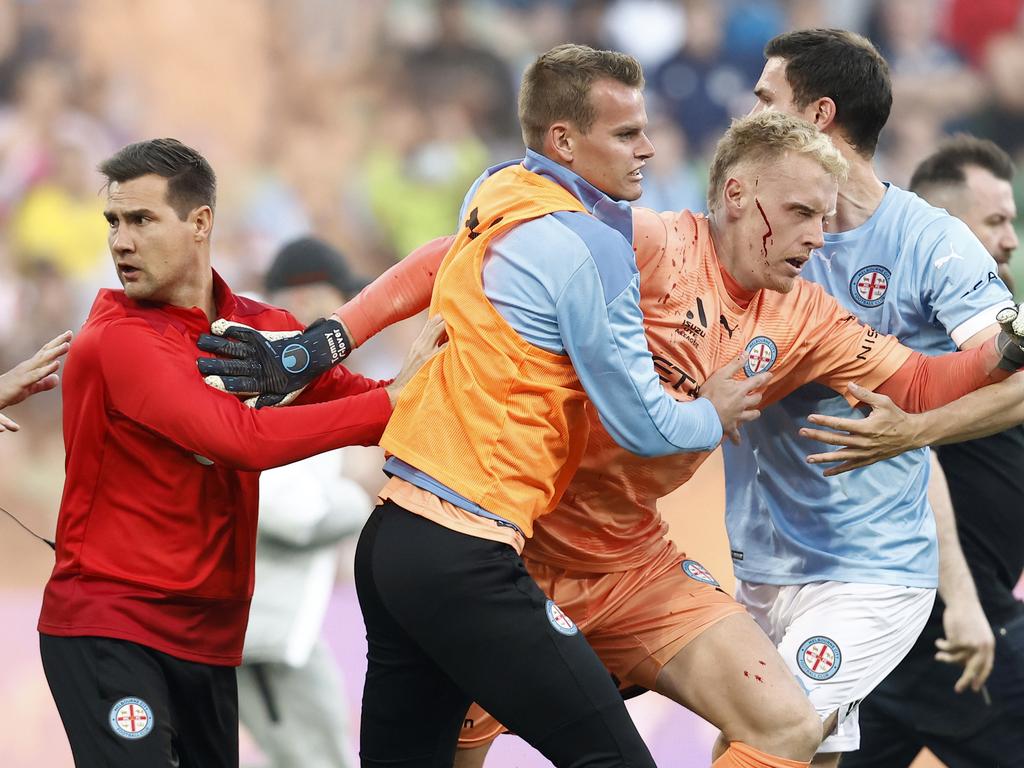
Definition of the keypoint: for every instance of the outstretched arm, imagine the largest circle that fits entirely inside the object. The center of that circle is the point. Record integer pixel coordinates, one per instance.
(398, 294)
(275, 365)
(889, 431)
(37, 374)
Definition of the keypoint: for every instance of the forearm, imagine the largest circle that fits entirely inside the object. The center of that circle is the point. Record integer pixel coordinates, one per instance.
(149, 380)
(924, 383)
(955, 583)
(985, 412)
(10, 388)
(610, 353)
(400, 293)
(337, 383)
(247, 439)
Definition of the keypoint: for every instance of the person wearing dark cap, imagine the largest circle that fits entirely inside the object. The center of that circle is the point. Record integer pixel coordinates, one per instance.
(290, 693)
(306, 270)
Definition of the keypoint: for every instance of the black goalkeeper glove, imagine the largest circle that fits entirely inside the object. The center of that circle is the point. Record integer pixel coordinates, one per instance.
(272, 367)
(1011, 338)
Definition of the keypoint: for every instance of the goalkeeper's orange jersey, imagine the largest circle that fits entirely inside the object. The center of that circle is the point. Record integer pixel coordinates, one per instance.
(697, 319)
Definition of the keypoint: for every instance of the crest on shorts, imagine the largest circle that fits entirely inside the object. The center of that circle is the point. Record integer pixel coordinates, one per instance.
(819, 657)
(559, 620)
(760, 354)
(131, 718)
(698, 572)
(869, 285)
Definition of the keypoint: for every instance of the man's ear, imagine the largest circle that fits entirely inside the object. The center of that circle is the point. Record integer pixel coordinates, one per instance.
(202, 222)
(824, 114)
(734, 197)
(559, 142)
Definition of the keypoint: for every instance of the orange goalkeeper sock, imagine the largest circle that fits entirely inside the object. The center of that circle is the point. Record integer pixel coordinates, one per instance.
(740, 755)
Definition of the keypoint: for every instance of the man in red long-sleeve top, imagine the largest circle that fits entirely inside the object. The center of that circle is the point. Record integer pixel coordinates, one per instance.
(144, 615)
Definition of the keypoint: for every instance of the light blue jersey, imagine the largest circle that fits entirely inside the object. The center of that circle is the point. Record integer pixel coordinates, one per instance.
(910, 270)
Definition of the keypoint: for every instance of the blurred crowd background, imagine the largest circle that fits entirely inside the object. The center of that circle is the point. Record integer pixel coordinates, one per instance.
(364, 122)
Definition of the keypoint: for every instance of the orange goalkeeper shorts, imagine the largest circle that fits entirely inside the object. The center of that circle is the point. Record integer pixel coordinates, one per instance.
(635, 620)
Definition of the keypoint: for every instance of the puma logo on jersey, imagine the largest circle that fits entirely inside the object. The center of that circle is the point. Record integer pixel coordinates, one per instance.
(942, 260)
(725, 324)
(827, 258)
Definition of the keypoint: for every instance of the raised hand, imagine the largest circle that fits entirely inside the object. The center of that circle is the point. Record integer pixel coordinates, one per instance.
(37, 374)
(969, 642)
(885, 432)
(432, 339)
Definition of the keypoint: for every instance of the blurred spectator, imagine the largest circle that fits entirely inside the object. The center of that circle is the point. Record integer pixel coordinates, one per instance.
(907, 36)
(672, 180)
(21, 40)
(839, 14)
(290, 696)
(592, 23)
(455, 68)
(418, 172)
(60, 220)
(650, 30)
(1004, 65)
(971, 24)
(750, 24)
(703, 84)
(40, 118)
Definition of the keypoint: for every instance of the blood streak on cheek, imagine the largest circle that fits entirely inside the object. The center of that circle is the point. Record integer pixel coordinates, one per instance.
(768, 232)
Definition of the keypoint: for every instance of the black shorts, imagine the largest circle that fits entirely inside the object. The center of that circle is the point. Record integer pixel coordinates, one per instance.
(125, 705)
(452, 619)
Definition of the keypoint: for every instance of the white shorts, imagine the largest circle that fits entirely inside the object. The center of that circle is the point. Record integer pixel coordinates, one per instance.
(840, 640)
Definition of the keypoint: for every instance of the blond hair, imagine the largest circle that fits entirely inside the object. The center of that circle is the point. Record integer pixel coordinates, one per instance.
(765, 138)
(557, 87)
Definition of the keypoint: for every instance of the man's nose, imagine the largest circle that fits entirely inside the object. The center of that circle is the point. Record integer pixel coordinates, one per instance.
(646, 148)
(121, 242)
(1009, 241)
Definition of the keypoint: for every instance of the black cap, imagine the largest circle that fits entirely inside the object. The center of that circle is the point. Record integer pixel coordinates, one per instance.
(309, 260)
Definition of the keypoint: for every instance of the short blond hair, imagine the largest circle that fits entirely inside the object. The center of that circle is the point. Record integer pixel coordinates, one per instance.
(557, 87)
(765, 138)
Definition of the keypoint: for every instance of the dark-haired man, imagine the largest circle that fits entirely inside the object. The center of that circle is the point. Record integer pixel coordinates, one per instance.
(922, 703)
(841, 572)
(144, 614)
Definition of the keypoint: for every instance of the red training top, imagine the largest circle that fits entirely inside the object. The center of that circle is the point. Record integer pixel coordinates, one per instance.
(157, 529)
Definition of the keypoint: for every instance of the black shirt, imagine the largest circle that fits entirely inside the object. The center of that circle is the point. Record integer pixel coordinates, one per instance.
(986, 483)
